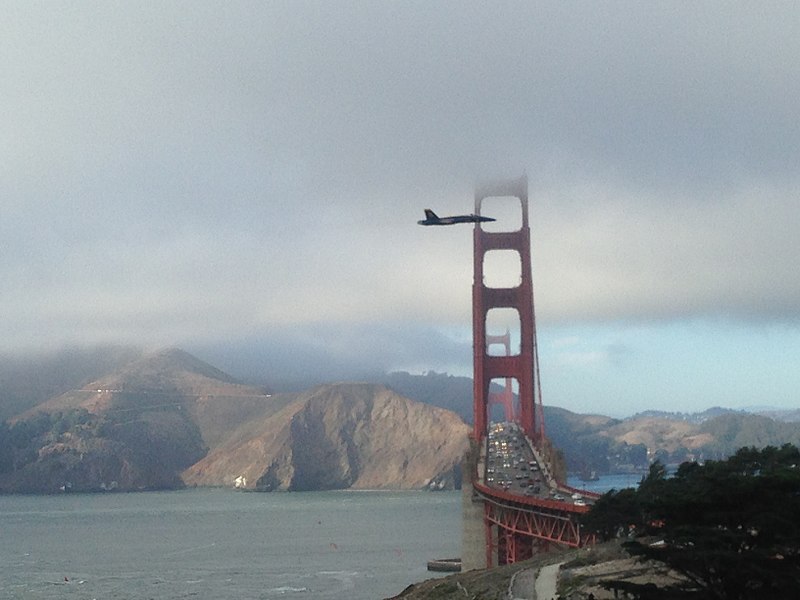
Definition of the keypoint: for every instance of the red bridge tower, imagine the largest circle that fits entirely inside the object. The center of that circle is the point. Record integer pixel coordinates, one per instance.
(522, 366)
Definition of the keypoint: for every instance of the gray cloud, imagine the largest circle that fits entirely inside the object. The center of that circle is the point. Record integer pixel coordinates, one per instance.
(199, 171)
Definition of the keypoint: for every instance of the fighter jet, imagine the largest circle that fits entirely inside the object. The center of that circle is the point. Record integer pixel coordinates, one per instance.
(432, 219)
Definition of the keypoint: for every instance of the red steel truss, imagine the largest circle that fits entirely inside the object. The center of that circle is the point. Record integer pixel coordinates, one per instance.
(515, 526)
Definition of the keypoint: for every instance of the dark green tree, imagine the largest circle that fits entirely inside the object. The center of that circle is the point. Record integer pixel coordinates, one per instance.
(730, 528)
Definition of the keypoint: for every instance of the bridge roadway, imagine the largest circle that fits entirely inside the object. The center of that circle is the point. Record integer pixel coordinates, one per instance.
(525, 508)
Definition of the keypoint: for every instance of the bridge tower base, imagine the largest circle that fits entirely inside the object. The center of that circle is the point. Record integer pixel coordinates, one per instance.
(472, 535)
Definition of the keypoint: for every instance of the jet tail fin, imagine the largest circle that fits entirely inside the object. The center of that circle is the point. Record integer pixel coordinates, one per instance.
(429, 214)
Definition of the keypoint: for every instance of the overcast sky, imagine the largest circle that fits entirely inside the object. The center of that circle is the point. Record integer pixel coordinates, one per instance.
(243, 180)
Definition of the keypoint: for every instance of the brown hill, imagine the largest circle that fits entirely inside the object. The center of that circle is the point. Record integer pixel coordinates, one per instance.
(604, 445)
(170, 413)
(136, 428)
(169, 381)
(339, 436)
(28, 379)
(659, 433)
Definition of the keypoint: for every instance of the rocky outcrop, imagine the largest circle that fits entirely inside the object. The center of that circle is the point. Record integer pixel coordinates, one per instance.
(257, 449)
(339, 436)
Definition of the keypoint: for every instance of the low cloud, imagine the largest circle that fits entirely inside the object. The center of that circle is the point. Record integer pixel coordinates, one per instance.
(188, 175)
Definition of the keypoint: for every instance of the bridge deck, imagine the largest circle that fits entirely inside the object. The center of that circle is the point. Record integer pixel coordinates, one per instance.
(511, 468)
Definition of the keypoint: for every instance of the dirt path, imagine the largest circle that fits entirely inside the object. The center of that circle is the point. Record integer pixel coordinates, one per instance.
(546, 582)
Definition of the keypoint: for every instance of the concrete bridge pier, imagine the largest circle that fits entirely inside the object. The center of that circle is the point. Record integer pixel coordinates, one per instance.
(473, 534)
(473, 544)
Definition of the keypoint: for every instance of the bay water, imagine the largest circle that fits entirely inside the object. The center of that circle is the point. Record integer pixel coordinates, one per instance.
(605, 483)
(221, 544)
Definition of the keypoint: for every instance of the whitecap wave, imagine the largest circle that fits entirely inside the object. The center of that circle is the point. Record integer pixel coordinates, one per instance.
(287, 589)
(345, 578)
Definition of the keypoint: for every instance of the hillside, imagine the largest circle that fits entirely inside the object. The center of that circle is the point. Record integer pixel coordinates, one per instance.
(30, 379)
(605, 445)
(169, 413)
(135, 428)
(169, 381)
(341, 436)
(438, 389)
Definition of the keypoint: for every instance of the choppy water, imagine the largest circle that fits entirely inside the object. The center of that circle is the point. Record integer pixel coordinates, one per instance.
(220, 544)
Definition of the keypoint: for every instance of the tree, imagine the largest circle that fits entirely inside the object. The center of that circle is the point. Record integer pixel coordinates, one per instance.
(729, 527)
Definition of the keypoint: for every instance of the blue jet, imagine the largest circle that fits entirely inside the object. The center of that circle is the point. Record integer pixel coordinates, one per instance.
(432, 219)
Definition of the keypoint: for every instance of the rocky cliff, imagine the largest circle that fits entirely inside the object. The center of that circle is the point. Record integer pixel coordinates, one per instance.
(340, 436)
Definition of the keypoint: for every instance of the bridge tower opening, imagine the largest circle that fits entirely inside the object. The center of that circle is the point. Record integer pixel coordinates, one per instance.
(503, 398)
(522, 365)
